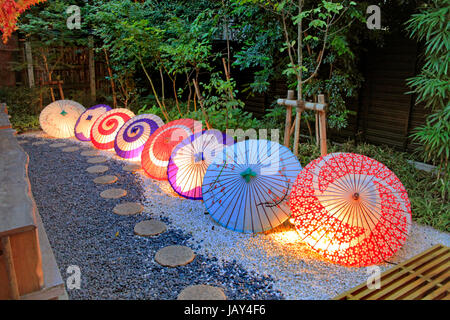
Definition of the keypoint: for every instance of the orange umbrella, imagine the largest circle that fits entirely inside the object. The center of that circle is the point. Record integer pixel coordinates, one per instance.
(156, 154)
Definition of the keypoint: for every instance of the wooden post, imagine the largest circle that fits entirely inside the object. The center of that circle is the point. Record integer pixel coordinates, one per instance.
(317, 129)
(301, 105)
(287, 126)
(299, 109)
(30, 69)
(322, 126)
(10, 270)
(92, 68)
(61, 93)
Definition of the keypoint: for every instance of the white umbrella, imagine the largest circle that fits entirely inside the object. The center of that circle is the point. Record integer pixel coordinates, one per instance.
(58, 119)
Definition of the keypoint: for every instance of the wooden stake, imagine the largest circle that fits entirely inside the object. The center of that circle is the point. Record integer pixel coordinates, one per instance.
(113, 87)
(200, 101)
(61, 93)
(10, 270)
(323, 127)
(287, 126)
(30, 70)
(298, 116)
(92, 68)
(317, 129)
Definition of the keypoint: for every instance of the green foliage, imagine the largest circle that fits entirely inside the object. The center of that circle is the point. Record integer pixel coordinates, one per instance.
(260, 26)
(432, 86)
(23, 107)
(432, 27)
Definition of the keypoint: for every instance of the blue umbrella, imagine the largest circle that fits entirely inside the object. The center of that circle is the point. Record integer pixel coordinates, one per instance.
(246, 188)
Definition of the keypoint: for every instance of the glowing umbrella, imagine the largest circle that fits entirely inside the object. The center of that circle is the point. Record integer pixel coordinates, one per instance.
(87, 120)
(159, 147)
(105, 128)
(247, 186)
(190, 159)
(133, 135)
(58, 118)
(351, 209)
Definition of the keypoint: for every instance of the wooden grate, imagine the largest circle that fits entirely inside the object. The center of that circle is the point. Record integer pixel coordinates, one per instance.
(423, 277)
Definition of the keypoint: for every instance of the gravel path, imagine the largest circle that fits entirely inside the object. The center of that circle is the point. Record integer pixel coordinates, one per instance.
(82, 231)
(115, 263)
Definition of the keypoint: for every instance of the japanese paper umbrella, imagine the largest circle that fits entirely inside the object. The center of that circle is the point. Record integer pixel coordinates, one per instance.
(58, 118)
(351, 209)
(87, 120)
(105, 128)
(156, 154)
(190, 159)
(133, 135)
(247, 186)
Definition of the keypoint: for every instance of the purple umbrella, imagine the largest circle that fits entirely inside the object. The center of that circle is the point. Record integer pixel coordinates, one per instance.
(190, 159)
(133, 135)
(87, 119)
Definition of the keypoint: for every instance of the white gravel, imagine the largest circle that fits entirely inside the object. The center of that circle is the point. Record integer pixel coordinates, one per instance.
(299, 273)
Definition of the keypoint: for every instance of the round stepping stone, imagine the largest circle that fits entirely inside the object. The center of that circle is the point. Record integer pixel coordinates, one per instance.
(58, 145)
(70, 149)
(113, 193)
(37, 143)
(23, 141)
(202, 292)
(97, 160)
(97, 169)
(128, 208)
(108, 179)
(132, 167)
(174, 256)
(149, 228)
(89, 153)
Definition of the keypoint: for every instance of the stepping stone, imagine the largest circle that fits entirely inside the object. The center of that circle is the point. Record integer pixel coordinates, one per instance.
(90, 153)
(37, 143)
(70, 149)
(58, 145)
(23, 141)
(149, 228)
(174, 256)
(113, 193)
(97, 160)
(128, 208)
(202, 292)
(97, 169)
(132, 167)
(108, 179)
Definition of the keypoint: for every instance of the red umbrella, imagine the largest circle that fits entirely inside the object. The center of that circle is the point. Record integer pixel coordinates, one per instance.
(156, 154)
(105, 128)
(351, 209)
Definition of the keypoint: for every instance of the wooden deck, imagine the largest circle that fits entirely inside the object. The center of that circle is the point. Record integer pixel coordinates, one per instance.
(423, 277)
